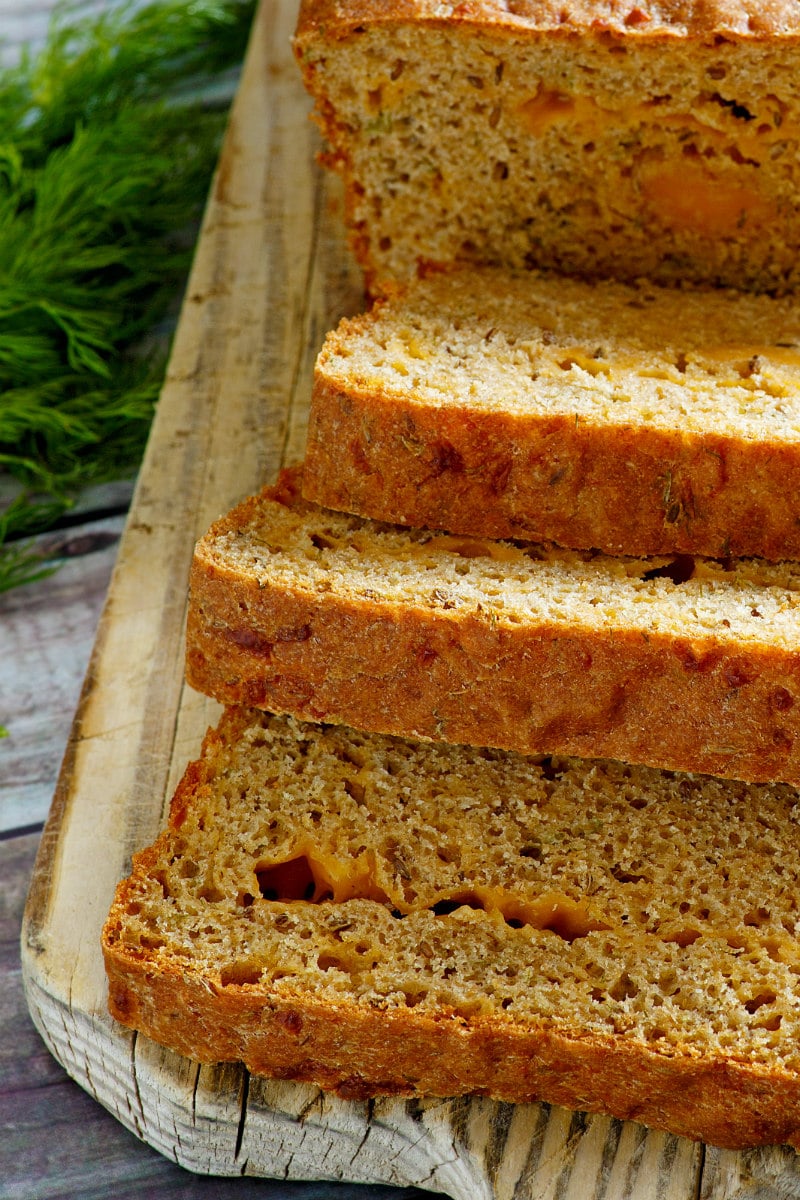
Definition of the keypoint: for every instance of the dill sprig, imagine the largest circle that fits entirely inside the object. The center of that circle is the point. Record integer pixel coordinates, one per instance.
(106, 154)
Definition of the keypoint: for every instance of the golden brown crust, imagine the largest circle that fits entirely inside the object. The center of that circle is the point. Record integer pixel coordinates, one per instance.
(664, 699)
(359, 1054)
(455, 1001)
(621, 489)
(751, 19)
(634, 420)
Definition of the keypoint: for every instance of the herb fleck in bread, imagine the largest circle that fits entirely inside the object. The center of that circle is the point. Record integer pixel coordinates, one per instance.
(379, 916)
(597, 138)
(680, 663)
(634, 419)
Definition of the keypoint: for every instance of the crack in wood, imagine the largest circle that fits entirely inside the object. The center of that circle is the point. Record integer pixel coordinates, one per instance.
(195, 1086)
(244, 1094)
(317, 1101)
(701, 1168)
(139, 1125)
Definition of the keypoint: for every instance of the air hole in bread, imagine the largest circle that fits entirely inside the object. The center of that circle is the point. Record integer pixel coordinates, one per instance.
(468, 547)
(549, 769)
(161, 878)
(329, 962)
(151, 941)
(319, 879)
(623, 876)
(293, 880)
(322, 542)
(680, 570)
(303, 879)
(211, 894)
(443, 908)
(355, 790)
(683, 937)
(413, 998)
(567, 919)
(624, 988)
(757, 917)
(759, 1001)
(240, 973)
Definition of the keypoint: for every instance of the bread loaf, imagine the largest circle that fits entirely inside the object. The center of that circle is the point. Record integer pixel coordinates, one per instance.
(680, 663)
(634, 419)
(376, 917)
(602, 138)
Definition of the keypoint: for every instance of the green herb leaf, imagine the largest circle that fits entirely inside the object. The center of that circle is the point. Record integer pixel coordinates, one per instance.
(106, 154)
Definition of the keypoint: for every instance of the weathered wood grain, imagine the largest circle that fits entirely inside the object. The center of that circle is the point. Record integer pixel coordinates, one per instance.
(42, 662)
(271, 276)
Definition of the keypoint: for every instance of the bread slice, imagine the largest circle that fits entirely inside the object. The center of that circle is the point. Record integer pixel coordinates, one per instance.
(679, 663)
(658, 140)
(375, 916)
(634, 419)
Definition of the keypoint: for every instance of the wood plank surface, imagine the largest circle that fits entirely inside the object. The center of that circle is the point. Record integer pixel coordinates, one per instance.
(271, 276)
(38, 691)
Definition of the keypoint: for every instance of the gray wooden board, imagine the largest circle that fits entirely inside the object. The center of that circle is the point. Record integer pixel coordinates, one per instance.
(46, 631)
(271, 276)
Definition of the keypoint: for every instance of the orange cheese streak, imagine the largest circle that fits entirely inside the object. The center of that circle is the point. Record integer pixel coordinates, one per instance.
(690, 196)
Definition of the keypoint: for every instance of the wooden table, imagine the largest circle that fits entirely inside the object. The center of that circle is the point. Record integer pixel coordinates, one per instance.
(56, 1141)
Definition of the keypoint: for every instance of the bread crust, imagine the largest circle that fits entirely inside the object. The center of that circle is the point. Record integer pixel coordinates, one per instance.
(701, 19)
(360, 1054)
(621, 489)
(662, 699)
(360, 1049)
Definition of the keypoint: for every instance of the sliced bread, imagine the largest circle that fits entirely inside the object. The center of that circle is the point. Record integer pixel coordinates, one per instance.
(633, 419)
(679, 663)
(604, 138)
(376, 917)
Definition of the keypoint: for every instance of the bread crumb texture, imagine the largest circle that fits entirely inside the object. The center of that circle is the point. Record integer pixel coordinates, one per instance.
(597, 352)
(680, 662)
(656, 140)
(485, 894)
(279, 540)
(629, 418)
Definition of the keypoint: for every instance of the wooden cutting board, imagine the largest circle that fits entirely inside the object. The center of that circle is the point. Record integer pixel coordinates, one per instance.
(271, 276)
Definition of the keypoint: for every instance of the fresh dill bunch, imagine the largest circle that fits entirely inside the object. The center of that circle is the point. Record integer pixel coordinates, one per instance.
(106, 153)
